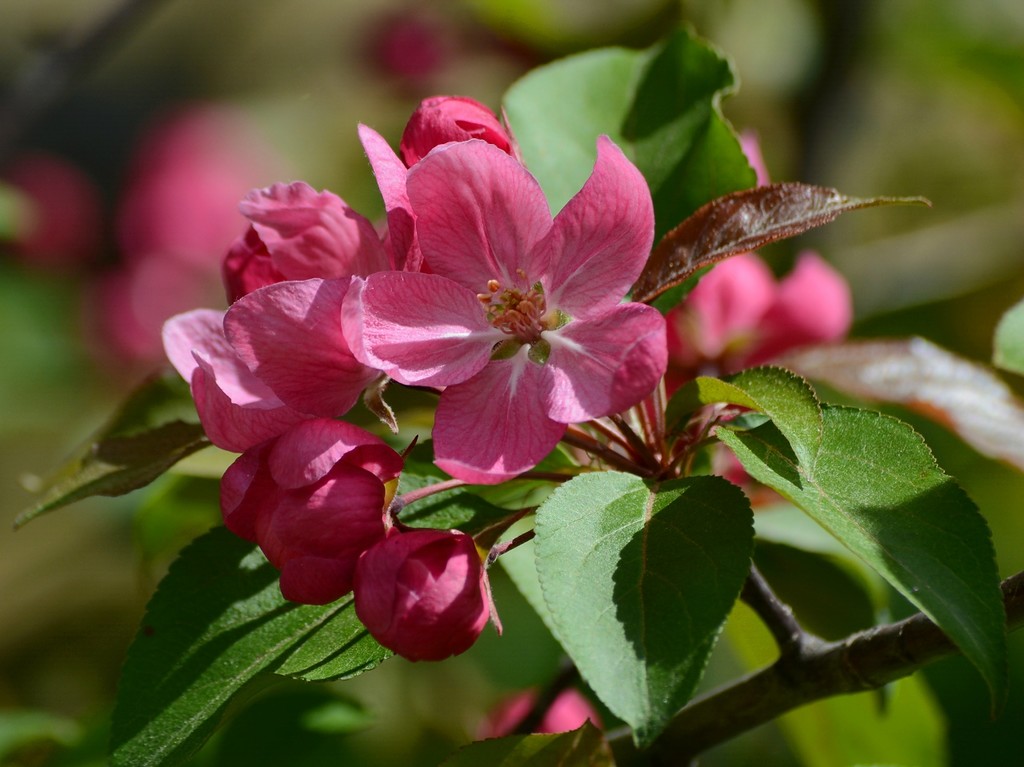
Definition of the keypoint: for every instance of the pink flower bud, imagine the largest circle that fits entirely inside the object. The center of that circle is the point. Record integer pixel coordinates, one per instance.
(442, 119)
(423, 593)
(568, 711)
(314, 499)
(248, 266)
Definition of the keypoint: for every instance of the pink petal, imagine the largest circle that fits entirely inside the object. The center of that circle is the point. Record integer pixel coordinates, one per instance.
(421, 328)
(441, 119)
(729, 302)
(246, 491)
(248, 266)
(490, 428)
(751, 145)
(601, 239)
(237, 410)
(315, 535)
(391, 174)
(479, 215)
(308, 451)
(311, 234)
(605, 365)
(289, 334)
(813, 306)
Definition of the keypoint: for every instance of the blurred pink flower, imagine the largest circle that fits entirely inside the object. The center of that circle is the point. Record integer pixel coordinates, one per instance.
(409, 44)
(63, 227)
(177, 217)
(521, 318)
(568, 711)
(423, 593)
(738, 316)
(313, 499)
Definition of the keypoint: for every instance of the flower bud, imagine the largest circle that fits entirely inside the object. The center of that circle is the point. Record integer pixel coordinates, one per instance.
(314, 499)
(423, 593)
(442, 119)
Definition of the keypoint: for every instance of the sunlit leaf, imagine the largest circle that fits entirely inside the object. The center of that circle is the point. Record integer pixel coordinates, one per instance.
(872, 482)
(638, 578)
(155, 427)
(584, 747)
(744, 221)
(217, 622)
(1009, 341)
(958, 393)
(455, 508)
(661, 106)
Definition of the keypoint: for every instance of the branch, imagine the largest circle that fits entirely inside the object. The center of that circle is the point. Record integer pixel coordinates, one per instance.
(44, 81)
(863, 661)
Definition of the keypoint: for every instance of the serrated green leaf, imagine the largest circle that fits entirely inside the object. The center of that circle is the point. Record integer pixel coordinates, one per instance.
(872, 482)
(661, 106)
(1009, 341)
(217, 622)
(584, 747)
(638, 579)
(154, 428)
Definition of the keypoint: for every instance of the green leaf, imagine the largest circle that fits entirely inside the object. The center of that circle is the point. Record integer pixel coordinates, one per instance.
(661, 106)
(155, 427)
(741, 222)
(584, 747)
(872, 482)
(456, 508)
(29, 730)
(1009, 340)
(217, 622)
(638, 578)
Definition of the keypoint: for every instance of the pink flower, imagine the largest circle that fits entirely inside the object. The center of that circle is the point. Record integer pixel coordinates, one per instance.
(298, 233)
(259, 373)
(738, 316)
(521, 319)
(568, 711)
(423, 593)
(313, 499)
(442, 119)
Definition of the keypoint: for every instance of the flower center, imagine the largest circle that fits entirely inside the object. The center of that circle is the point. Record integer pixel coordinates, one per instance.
(516, 312)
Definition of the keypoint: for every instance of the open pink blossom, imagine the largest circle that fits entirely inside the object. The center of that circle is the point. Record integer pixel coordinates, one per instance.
(522, 317)
(297, 233)
(739, 315)
(568, 711)
(423, 593)
(313, 499)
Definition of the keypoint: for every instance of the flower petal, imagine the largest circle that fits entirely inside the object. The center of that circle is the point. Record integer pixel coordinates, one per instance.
(729, 303)
(491, 428)
(479, 215)
(391, 173)
(315, 535)
(601, 239)
(308, 451)
(421, 328)
(605, 365)
(236, 408)
(313, 234)
(289, 334)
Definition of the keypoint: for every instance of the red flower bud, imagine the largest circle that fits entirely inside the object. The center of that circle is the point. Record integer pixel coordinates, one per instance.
(442, 119)
(423, 593)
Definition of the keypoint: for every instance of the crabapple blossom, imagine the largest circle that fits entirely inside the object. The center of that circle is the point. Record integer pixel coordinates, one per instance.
(313, 498)
(739, 316)
(568, 711)
(442, 119)
(423, 593)
(521, 317)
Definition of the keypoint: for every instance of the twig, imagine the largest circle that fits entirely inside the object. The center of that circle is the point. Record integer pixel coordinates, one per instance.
(44, 80)
(863, 661)
(585, 442)
(775, 615)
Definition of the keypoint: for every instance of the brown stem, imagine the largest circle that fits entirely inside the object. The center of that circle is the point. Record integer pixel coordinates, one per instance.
(585, 442)
(863, 661)
(776, 616)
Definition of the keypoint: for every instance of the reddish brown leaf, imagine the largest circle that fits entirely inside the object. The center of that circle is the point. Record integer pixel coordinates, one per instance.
(958, 393)
(744, 221)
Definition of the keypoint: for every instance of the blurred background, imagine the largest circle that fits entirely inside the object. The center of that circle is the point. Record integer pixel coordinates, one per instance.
(121, 165)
